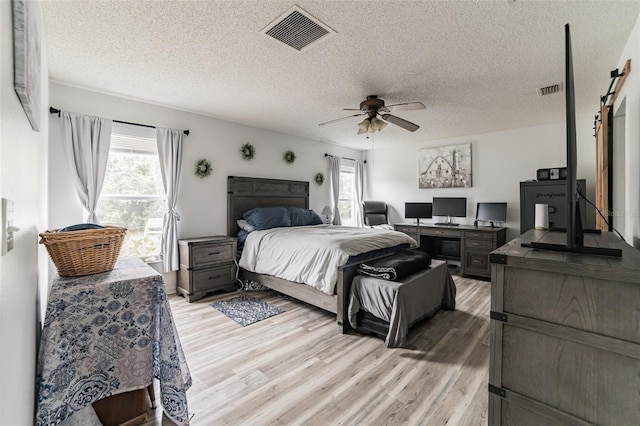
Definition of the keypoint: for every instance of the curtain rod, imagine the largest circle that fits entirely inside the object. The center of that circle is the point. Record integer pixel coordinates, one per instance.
(344, 158)
(53, 110)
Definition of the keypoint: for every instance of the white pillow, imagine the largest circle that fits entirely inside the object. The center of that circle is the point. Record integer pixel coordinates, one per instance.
(246, 226)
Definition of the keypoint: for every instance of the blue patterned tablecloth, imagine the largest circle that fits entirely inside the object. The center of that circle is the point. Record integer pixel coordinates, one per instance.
(106, 334)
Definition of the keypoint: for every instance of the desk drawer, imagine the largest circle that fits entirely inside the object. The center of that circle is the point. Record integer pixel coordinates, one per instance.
(454, 233)
(409, 230)
(477, 262)
(479, 234)
(212, 253)
(207, 279)
(478, 244)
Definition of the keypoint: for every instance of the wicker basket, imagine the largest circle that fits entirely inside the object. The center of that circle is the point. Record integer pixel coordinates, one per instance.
(84, 252)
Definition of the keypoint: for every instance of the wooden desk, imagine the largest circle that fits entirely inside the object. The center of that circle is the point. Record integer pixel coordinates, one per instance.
(107, 334)
(470, 245)
(565, 341)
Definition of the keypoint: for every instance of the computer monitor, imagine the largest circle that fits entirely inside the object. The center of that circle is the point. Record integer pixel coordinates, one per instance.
(417, 211)
(491, 212)
(449, 207)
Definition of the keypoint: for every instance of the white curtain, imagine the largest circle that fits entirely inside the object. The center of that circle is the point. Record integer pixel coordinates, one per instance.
(170, 153)
(359, 183)
(334, 184)
(86, 141)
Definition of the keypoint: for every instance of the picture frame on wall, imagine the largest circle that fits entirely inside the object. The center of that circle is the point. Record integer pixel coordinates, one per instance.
(445, 167)
(27, 57)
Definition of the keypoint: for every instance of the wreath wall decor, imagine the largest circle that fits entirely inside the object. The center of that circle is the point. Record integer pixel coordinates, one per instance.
(290, 157)
(319, 178)
(203, 168)
(248, 151)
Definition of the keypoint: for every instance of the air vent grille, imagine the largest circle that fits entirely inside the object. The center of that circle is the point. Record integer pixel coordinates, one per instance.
(549, 90)
(297, 29)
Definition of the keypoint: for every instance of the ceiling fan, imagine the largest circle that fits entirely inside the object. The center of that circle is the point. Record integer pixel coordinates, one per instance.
(374, 107)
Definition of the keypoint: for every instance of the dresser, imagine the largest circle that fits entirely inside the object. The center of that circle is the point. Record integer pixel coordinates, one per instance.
(207, 264)
(470, 245)
(564, 334)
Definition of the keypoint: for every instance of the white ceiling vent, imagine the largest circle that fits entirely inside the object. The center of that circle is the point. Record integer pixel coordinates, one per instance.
(297, 29)
(550, 90)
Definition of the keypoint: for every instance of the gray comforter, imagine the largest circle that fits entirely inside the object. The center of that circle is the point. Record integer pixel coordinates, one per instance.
(401, 304)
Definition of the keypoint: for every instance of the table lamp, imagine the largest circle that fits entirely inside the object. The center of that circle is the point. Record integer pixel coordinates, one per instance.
(326, 214)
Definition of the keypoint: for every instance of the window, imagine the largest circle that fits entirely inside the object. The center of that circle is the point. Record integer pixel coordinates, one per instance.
(132, 194)
(347, 199)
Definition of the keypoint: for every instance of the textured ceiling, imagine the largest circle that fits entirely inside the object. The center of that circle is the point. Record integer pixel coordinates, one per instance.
(476, 65)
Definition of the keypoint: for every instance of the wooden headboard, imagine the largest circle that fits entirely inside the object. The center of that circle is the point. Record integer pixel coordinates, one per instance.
(246, 193)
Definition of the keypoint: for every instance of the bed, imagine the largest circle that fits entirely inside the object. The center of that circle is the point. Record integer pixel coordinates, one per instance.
(247, 193)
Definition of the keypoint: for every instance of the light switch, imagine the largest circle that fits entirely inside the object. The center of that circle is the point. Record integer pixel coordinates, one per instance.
(7, 226)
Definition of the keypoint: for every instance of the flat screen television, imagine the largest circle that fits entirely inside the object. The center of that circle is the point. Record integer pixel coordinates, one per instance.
(574, 230)
(417, 211)
(449, 207)
(491, 212)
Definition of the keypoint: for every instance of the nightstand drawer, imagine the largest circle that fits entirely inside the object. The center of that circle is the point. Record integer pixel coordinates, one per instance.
(209, 279)
(212, 253)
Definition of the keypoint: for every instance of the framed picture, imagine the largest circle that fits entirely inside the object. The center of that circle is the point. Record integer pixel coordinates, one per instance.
(445, 167)
(27, 27)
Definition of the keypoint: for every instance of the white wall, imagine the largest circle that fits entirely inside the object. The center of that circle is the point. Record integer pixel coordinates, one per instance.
(630, 95)
(23, 169)
(202, 202)
(500, 161)
(618, 201)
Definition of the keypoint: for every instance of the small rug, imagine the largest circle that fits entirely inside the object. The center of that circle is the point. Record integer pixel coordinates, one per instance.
(246, 310)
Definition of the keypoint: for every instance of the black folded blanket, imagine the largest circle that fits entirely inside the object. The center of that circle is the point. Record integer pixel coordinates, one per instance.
(401, 264)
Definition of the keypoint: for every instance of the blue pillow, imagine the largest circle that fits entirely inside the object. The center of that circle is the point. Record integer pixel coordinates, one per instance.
(303, 217)
(242, 237)
(268, 217)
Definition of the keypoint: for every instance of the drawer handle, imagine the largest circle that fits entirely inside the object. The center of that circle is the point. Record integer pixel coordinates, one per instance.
(476, 261)
(213, 278)
(214, 252)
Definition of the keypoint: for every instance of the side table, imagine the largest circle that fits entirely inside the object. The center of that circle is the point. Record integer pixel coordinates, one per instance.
(106, 334)
(206, 264)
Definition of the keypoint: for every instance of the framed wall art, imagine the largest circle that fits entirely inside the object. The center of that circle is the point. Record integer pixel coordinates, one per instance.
(445, 167)
(27, 52)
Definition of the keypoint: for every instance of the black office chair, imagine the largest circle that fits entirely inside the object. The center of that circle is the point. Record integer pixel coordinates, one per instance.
(375, 213)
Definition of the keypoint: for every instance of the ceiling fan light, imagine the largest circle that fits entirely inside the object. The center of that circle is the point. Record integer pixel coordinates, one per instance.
(377, 125)
(364, 125)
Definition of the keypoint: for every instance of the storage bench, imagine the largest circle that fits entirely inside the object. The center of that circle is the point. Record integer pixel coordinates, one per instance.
(389, 308)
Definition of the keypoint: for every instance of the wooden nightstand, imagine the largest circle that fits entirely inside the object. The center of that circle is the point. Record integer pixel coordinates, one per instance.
(206, 265)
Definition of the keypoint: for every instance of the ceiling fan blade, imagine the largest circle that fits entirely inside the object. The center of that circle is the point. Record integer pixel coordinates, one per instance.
(407, 125)
(351, 109)
(407, 106)
(340, 119)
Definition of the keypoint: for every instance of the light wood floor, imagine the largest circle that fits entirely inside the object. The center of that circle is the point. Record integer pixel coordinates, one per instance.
(295, 369)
